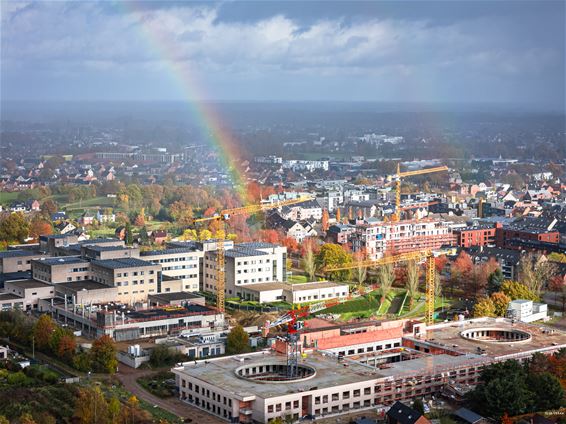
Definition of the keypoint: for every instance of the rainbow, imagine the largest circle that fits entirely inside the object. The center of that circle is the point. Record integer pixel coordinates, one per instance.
(204, 113)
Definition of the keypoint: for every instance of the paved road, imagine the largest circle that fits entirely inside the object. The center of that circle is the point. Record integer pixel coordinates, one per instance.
(128, 377)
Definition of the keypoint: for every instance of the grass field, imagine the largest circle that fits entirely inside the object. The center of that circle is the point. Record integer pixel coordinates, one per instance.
(95, 202)
(294, 279)
(7, 197)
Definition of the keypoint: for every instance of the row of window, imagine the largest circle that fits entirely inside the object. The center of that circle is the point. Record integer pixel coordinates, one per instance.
(134, 273)
(169, 268)
(182, 259)
(134, 282)
(322, 296)
(136, 292)
(369, 349)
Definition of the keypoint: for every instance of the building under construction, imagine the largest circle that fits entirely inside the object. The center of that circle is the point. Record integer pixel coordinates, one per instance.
(378, 238)
(358, 367)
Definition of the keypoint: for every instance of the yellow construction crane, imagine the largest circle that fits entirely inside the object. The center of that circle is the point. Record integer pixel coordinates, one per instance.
(430, 274)
(397, 178)
(224, 216)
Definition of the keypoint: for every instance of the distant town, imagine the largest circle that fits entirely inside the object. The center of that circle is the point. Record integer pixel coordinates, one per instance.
(332, 280)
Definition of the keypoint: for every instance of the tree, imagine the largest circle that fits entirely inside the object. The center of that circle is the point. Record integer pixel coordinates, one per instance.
(27, 418)
(360, 272)
(308, 261)
(547, 391)
(44, 328)
(189, 235)
(40, 227)
(49, 207)
(557, 286)
(129, 239)
(494, 281)
(140, 218)
(103, 355)
(412, 281)
(144, 236)
(386, 277)
(440, 262)
(91, 407)
(237, 341)
(418, 405)
(114, 410)
(325, 220)
(484, 308)
(332, 255)
(461, 269)
(14, 228)
(503, 388)
(535, 272)
(516, 290)
(500, 302)
(338, 217)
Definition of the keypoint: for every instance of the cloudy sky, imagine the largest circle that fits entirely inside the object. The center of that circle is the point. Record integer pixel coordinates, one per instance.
(424, 51)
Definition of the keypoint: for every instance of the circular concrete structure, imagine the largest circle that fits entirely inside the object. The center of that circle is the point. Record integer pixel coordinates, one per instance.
(496, 335)
(273, 372)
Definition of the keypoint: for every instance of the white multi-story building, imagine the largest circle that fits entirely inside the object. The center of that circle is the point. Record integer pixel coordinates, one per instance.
(306, 165)
(309, 209)
(377, 237)
(246, 264)
(180, 263)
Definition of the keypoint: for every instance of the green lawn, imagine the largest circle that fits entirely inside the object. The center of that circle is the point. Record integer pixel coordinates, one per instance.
(95, 202)
(7, 197)
(294, 279)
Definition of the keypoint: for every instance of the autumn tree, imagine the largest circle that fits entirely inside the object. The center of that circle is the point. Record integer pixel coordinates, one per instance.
(331, 256)
(386, 277)
(325, 220)
(412, 281)
(182, 213)
(516, 290)
(269, 236)
(103, 355)
(484, 308)
(500, 302)
(62, 343)
(338, 217)
(558, 287)
(91, 406)
(238, 341)
(43, 330)
(189, 234)
(40, 227)
(14, 228)
(535, 272)
(440, 263)
(461, 269)
(140, 218)
(308, 261)
(49, 207)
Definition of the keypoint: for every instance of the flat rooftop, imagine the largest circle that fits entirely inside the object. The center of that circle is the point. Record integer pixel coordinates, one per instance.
(29, 284)
(83, 285)
(62, 260)
(329, 373)
(448, 336)
(289, 286)
(175, 296)
(122, 263)
(19, 253)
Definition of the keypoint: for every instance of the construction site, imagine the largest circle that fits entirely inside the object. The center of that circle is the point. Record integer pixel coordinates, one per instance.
(343, 368)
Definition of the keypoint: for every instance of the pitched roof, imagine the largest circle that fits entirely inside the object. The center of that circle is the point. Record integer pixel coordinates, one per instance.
(403, 414)
(468, 416)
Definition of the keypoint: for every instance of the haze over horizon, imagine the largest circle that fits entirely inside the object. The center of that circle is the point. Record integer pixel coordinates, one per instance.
(498, 52)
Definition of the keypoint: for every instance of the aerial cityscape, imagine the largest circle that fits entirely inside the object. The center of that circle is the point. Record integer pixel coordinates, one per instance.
(282, 212)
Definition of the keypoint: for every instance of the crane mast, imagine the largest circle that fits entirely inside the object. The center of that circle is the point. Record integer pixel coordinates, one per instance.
(224, 216)
(398, 176)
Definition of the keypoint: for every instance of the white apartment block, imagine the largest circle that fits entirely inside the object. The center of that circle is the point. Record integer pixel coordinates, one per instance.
(309, 209)
(377, 237)
(180, 263)
(246, 264)
(306, 165)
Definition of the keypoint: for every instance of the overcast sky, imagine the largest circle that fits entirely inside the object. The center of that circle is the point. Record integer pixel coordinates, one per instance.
(445, 51)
